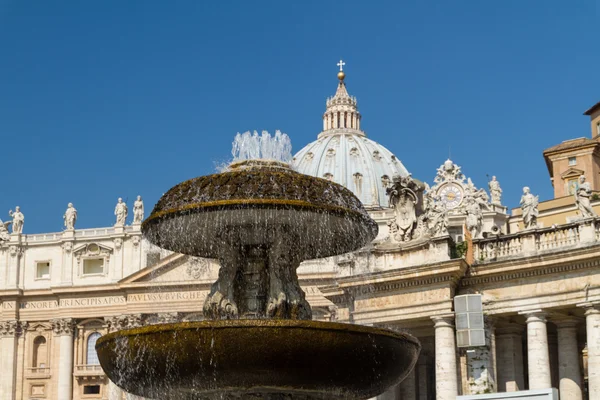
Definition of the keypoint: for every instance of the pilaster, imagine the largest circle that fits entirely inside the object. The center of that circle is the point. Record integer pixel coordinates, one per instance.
(63, 330)
(8, 359)
(509, 350)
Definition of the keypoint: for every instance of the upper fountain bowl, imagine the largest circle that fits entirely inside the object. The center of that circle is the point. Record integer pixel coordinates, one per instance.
(254, 202)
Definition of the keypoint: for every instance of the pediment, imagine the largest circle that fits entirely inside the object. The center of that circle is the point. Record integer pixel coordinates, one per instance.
(176, 268)
(571, 173)
(92, 250)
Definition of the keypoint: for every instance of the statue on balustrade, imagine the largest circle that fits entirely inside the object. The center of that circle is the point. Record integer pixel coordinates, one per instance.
(529, 205)
(582, 198)
(138, 210)
(18, 220)
(474, 217)
(495, 191)
(70, 217)
(4, 234)
(121, 212)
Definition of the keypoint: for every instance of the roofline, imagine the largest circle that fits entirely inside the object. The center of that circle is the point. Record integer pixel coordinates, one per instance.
(549, 150)
(592, 109)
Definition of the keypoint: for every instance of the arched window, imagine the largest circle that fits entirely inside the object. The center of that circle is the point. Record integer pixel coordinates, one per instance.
(39, 353)
(92, 356)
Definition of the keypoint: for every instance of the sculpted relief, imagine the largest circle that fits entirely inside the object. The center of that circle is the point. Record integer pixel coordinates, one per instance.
(421, 211)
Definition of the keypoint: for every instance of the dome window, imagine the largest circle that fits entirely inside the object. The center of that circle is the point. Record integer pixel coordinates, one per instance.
(376, 155)
(309, 156)
(330, 152)
(358, 183)
(328, 176)
(354, 152)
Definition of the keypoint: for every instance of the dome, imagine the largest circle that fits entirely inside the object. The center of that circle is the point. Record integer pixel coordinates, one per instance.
(343, 154)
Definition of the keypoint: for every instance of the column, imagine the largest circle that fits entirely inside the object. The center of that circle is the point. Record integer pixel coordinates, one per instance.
(446, 385)
(569, 372)
(509, 345)
(8, 347)
(408, 390)
(63, 330)
(592, 322)
(538, 356)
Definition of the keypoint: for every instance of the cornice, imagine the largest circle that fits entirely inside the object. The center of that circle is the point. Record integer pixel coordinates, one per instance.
(538, 265)
(386, 281)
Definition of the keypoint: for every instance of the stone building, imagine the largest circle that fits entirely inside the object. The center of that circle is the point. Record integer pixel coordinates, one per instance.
(533, 277)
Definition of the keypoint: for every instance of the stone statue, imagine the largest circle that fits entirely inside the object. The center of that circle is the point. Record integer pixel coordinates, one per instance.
(138, 210)
(4, 234)
(529, 205)
(582, 198)
(120, 212)
(474, 217)
(18, 219)
(70, 217)
(403, 198)
(439, 221)
(495, 191)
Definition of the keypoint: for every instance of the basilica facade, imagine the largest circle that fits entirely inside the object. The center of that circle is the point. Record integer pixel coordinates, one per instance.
(501, 300)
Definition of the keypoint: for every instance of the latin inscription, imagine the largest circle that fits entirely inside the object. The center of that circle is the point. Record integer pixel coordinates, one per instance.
(38, 305)
(92, 302)
(172, 296)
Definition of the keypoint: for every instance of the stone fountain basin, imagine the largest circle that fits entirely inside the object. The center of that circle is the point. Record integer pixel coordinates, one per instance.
(314, 232)
(230, 358)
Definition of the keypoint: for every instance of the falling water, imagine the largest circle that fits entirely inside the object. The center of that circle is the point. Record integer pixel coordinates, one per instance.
(252, 146)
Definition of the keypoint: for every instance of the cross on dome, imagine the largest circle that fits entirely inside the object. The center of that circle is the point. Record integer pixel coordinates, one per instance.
(341, 65)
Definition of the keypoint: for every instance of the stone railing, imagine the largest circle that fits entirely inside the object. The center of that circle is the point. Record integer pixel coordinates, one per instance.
(536, 241)
(78, 233)
(94, 232)
(88, 370)
(37, 372)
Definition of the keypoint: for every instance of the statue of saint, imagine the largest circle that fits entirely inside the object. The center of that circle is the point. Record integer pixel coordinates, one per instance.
(529, 205)
(138, 210)
(495, 191)
(18, 219)
(120, 212)
(582, 198)
(4, 234)
(474, 217)
(70, 217)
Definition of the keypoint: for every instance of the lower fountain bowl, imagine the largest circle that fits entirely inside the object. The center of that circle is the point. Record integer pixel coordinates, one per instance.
(269, 359)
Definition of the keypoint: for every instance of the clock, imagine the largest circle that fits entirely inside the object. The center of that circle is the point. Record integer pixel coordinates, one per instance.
(451, 195)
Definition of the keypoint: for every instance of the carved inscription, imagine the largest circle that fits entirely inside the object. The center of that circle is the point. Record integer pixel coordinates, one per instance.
(173, 296)
(92, 302)
(38, 305)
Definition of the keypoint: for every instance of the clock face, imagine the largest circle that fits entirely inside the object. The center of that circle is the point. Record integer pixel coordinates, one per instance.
(451, 195)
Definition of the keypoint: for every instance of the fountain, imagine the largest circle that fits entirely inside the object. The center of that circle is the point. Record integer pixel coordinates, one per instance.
(260, 219)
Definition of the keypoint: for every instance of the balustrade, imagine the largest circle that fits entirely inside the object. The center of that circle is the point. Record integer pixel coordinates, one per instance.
(536, 241)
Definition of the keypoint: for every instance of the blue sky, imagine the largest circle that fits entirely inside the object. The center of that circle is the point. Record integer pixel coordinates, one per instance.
(108, 99)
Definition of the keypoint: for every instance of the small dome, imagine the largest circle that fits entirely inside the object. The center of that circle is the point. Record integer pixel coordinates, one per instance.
(343, 154)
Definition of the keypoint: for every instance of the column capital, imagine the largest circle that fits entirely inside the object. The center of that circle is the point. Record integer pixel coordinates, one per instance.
(592, 306)
(443, 321)
(63, 326)
(9, 328)
(534, 315)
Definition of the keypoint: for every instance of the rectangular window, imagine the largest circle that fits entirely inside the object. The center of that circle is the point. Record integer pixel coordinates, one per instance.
(572, 160)
(93, 266)
(598, 128)
(91, 389)
(42, 270)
